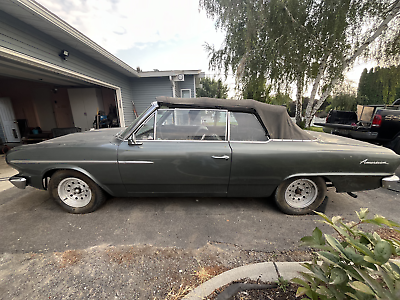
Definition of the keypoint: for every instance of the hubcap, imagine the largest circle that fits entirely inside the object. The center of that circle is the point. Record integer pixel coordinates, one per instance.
(301, 193)
(74, 192)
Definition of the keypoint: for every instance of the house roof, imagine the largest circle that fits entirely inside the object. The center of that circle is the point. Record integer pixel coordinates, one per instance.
(44, 20)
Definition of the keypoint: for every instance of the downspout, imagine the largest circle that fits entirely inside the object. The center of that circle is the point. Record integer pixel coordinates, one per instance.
(194, 85)
(173, 87)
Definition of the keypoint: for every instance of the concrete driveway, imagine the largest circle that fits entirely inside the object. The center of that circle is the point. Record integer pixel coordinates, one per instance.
(5, 171)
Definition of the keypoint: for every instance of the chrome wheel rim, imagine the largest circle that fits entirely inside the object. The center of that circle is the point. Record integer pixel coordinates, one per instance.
(301, 193)
(74, 192)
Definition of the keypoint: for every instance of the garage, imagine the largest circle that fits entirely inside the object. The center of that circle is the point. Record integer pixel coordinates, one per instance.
(42, 101)
(54, 80)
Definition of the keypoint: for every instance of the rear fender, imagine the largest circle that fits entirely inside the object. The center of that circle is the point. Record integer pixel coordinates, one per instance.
(348, 182)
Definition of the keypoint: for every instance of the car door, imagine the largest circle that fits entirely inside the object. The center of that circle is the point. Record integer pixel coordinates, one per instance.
(178, 152)
(254, 171)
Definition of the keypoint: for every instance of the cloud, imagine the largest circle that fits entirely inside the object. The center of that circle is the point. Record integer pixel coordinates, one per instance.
(124, 24)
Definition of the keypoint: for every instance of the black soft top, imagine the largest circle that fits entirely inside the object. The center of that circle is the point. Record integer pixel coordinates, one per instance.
(274, 117)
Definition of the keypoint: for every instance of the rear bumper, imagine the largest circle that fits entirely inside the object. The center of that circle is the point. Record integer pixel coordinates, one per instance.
(391, 183)
(19, 182)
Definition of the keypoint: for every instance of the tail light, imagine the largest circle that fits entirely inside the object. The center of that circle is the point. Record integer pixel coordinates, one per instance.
(377, 121)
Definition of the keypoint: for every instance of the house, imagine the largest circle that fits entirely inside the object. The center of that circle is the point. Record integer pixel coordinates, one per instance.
(53, 76)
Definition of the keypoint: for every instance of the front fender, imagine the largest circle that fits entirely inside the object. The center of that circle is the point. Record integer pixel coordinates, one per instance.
(50, 171)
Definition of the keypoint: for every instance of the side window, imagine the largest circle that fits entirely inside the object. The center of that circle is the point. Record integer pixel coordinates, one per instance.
(246, 127)
(191, 124)
(146, 131)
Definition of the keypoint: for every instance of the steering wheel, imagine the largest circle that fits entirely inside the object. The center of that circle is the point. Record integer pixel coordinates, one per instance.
(213, 136)
(198, 131)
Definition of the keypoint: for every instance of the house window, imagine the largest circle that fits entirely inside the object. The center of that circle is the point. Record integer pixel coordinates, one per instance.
(185, 93)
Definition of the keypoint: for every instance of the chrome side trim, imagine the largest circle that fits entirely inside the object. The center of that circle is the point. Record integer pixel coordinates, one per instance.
(229, 126)
(338, 174)
(135, 162)
(25, 161)
(195, 141)
(288, 140)
(391, 183)
(250, 142)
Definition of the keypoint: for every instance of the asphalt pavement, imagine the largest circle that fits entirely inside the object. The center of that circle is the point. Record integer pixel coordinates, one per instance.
(31, 221)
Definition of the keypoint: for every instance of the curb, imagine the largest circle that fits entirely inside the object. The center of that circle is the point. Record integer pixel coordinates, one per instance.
(266, 271)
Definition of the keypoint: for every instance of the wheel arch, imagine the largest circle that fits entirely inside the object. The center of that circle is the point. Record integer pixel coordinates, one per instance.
(48, 173)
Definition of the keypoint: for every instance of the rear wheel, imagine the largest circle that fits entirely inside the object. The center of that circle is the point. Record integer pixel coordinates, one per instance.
(297, 196)
(75, 192)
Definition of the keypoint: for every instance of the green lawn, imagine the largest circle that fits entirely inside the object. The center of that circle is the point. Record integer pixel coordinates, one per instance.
(314, 128)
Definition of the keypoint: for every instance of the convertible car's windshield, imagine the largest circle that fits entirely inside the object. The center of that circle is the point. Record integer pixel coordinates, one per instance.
(124, 133)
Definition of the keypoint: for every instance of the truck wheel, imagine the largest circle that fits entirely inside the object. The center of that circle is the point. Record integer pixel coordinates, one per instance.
(298, 196)
(75, 192)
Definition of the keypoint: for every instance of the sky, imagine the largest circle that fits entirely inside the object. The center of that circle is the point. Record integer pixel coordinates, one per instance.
(151, 34)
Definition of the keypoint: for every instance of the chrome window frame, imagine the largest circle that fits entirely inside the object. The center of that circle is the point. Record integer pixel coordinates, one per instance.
(249, 142)
(144, 122)
(197, 141)
(139, 122)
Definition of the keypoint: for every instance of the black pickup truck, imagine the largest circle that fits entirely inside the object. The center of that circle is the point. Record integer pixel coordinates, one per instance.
(378, 124)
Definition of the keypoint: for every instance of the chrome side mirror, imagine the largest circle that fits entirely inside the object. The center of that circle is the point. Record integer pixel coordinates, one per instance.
(132, 141)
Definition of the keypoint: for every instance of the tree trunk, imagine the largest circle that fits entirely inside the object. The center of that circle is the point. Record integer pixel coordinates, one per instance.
(299, 99)
(393, 13)
(321, 71)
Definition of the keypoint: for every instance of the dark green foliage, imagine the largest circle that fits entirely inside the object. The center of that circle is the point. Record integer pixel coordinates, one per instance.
(355, 265)
(379, 86)
(255, 88)
(212, 88)
(345, 102)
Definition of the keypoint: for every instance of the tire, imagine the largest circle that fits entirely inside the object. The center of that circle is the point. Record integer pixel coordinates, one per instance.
(75, 192)
(301, 195)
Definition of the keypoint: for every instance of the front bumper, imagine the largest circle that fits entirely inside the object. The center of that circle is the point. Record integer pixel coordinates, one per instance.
(19, 182)
(391, 183)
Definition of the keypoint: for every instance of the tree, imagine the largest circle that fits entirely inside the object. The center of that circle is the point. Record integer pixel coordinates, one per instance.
(212, 88)
(256, 88)
(301, 42)
(379, 85)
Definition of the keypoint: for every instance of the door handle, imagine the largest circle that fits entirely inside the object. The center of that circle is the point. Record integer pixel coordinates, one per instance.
(220, 157)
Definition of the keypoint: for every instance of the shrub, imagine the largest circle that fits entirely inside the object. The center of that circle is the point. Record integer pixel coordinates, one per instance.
(354, 266)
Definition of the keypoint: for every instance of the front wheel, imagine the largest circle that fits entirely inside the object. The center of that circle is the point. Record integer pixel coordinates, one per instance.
(75, 192)
(298, 196)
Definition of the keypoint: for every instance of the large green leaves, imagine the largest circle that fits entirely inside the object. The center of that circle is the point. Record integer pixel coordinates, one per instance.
(355, 264)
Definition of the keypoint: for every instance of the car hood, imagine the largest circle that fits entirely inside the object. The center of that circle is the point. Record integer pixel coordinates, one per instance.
(92, 136)
(81, 139)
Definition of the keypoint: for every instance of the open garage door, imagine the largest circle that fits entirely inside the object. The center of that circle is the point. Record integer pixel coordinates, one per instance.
(43, 101)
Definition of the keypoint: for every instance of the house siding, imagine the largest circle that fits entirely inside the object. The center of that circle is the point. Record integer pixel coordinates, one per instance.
(145, 91)
(187, 84)
(21, 37)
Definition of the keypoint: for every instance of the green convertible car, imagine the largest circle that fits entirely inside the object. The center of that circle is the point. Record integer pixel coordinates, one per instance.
(203, 147)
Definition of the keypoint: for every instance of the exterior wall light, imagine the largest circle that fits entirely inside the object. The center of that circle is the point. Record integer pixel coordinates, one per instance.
(64, 54)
